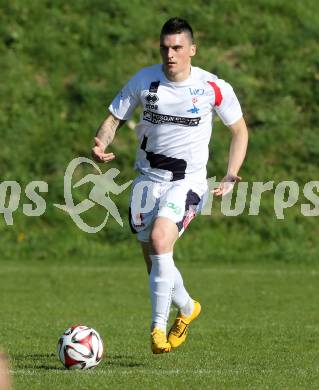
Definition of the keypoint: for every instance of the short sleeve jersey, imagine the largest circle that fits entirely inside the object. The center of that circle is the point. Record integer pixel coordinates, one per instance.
(176, 120)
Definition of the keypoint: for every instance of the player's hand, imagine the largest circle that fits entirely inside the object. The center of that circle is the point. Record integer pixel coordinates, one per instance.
(226, 185)
(98, 152)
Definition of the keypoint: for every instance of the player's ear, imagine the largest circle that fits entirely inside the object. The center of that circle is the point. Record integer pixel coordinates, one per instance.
(193, 50)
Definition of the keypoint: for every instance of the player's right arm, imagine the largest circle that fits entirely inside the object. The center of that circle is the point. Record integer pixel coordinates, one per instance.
(120, 109)
(104, 137)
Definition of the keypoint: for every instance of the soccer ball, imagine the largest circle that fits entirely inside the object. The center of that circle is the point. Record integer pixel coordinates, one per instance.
(80, 347)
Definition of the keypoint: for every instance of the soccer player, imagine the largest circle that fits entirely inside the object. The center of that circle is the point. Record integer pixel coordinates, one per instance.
(179, 102)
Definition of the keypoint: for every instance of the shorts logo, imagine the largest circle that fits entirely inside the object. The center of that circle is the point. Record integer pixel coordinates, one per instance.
(176, 209)
(156, 119)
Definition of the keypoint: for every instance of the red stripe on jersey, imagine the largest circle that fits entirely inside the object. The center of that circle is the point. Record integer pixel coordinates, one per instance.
(218, 93)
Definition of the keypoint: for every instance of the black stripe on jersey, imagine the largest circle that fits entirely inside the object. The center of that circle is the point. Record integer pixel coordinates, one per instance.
(192, 200)
(157, 119)
(154, 86)
(175, 165)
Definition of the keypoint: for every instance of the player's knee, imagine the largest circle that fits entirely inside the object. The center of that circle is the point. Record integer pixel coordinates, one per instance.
(160, 241)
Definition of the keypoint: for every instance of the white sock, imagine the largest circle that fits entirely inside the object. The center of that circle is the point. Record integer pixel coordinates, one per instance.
(180, 297)
(187, 309)
(161, 288)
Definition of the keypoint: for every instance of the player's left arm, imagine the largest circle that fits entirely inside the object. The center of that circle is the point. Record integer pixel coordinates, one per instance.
(237, 153)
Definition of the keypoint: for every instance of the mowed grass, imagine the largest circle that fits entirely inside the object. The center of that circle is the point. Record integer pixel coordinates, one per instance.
(259, 327)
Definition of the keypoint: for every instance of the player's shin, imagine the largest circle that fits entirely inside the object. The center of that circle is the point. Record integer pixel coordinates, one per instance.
(161, 288)
(180, 297)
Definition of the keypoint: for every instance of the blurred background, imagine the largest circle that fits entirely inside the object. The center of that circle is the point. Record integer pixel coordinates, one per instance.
(63, 62)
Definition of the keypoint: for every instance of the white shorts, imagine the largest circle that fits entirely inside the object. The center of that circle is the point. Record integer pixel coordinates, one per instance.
(179, 201)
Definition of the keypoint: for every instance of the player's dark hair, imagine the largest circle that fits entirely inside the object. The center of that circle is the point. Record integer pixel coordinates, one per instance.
(177, 26)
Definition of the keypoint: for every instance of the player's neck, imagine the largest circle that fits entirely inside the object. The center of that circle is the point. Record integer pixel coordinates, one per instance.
(177, 77)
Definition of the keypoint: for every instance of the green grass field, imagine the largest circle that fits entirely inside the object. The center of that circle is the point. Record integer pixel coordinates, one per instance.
(259, 327)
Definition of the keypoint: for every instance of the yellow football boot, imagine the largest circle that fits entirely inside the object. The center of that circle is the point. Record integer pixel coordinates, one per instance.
(159, 343)
(178, 333)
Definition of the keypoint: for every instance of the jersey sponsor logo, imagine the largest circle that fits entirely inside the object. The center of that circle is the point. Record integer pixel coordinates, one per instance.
(151, 99)
(196, 91)
(157, 118)
(193, 110)
(154, 86)
(151, 106)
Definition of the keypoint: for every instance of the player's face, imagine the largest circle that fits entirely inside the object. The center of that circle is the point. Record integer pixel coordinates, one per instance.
(176, 52)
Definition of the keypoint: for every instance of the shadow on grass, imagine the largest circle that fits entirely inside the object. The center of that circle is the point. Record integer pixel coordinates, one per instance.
(37, 361)
(122, 361)
(49, 361)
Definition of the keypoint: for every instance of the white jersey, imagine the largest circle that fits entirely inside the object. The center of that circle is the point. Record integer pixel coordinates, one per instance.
(176, 120)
